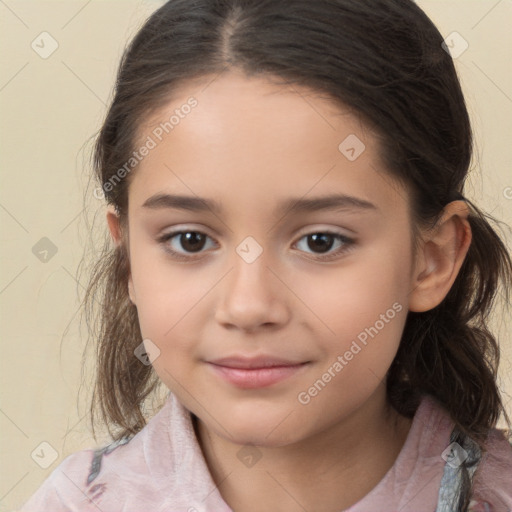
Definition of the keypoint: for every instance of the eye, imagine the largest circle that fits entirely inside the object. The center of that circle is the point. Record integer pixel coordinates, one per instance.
(323, 241)
(189, 240)
(185, 243)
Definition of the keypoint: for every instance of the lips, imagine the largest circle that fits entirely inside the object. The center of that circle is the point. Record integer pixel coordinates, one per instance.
(255, 372)
(254, 362)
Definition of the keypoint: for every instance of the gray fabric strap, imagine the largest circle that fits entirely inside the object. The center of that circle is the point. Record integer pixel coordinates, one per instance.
(464, 452)
(98, 454)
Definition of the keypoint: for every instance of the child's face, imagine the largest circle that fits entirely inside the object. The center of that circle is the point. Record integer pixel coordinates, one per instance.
(250, 146)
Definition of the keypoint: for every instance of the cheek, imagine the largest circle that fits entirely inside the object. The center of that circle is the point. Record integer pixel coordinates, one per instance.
(353, 297)
(358, 359)
(173, 303)
(363, 308)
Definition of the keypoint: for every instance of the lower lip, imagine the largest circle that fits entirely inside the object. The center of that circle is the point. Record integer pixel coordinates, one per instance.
(256, 377)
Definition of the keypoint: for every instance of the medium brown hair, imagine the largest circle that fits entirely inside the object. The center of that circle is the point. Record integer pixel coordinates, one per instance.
(384, 60)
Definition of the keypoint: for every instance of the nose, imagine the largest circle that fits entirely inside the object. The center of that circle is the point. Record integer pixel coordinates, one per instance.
(253, 296)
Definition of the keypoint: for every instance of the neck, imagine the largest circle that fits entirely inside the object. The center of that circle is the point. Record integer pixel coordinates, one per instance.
(329, 471)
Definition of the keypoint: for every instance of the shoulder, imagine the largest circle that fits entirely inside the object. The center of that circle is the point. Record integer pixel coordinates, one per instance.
(63, 486)
(80, 481)
(109, 474)
(493, 478)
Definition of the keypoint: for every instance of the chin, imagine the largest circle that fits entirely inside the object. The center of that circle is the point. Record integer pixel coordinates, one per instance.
(262, 433)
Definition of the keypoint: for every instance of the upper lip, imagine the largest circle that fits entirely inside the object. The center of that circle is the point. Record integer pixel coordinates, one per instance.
(254, 362)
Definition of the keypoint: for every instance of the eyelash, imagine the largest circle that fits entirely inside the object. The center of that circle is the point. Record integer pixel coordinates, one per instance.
(347, 244)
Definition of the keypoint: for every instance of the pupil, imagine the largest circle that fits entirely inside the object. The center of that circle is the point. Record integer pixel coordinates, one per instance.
(320, 240)
(189, 241)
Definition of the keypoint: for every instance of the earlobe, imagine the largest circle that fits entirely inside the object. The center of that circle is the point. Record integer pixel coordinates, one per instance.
(440, 257)
(131, 291)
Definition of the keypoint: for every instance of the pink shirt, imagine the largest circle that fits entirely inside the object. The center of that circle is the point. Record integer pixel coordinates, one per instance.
(162, 469)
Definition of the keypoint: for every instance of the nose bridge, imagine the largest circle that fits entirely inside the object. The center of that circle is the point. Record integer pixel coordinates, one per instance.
(251, 272)
(252, 295)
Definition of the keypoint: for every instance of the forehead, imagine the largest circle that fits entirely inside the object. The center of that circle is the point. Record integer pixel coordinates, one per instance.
(249, 141)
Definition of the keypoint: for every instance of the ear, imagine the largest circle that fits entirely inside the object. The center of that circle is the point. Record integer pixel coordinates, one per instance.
(114, 225)
(117, 236)
(440, 256)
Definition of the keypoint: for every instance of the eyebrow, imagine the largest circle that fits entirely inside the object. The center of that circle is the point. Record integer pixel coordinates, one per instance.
(291, 205)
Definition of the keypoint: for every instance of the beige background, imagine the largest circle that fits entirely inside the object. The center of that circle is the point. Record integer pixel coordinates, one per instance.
(50, 109)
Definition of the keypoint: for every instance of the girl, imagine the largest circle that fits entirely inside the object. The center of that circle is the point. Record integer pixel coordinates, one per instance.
(295, 260)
